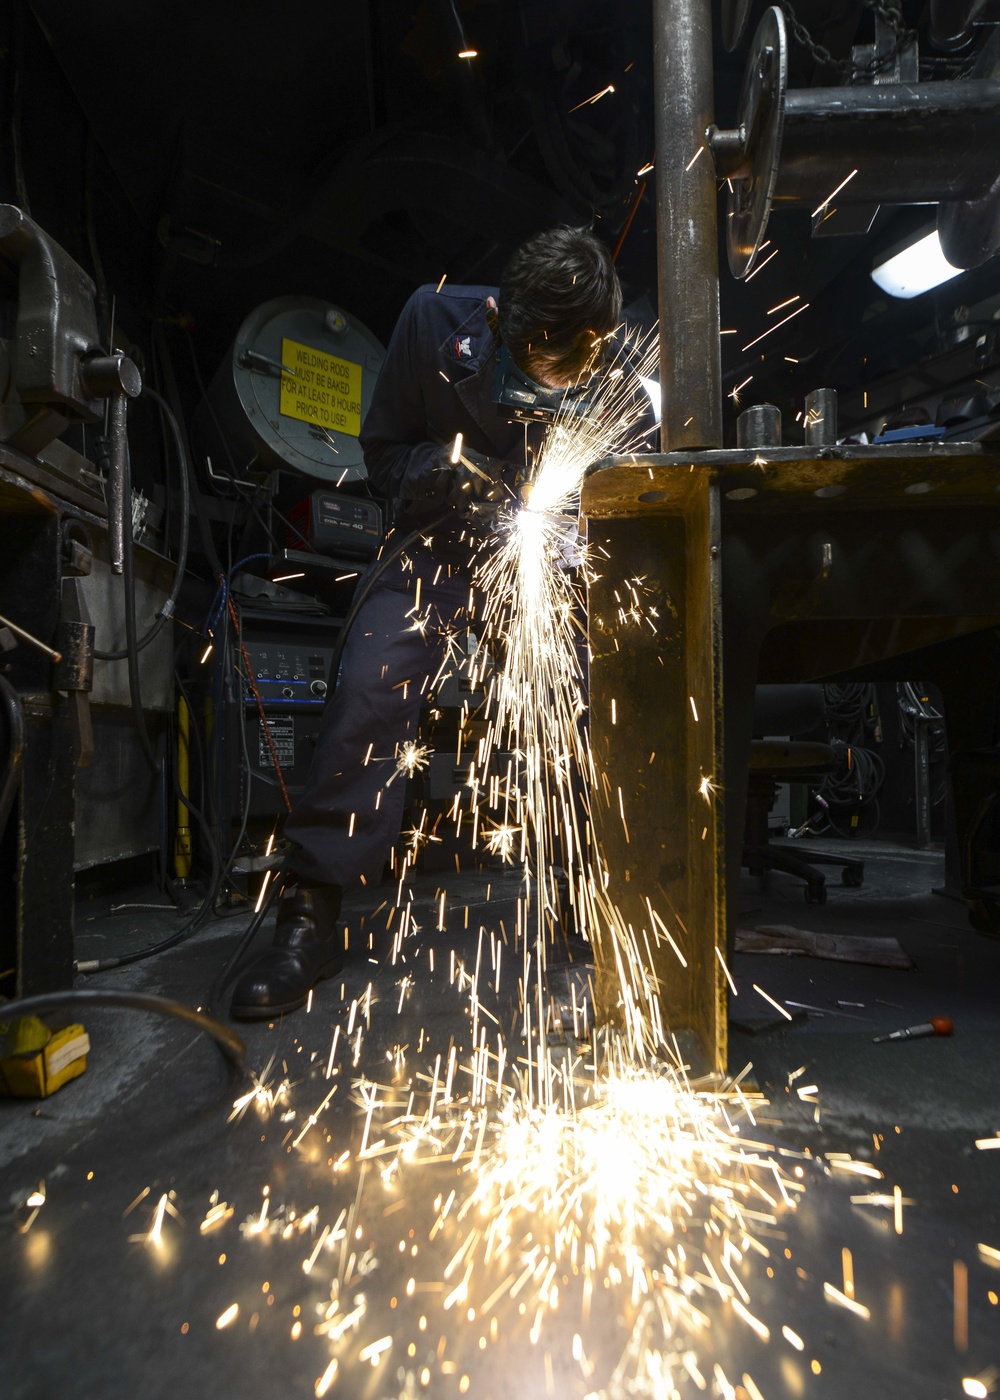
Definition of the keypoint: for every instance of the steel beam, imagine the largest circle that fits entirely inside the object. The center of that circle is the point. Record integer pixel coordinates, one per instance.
(656, 733)
(797, 564)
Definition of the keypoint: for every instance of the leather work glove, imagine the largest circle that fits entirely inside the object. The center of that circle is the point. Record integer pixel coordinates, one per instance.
(475, 479)
(567, 539)
(570, 541)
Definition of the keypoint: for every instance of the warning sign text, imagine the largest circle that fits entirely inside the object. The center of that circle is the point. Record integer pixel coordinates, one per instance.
(323, 389)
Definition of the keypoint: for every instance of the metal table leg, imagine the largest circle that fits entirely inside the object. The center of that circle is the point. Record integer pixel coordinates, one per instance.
(657, 818)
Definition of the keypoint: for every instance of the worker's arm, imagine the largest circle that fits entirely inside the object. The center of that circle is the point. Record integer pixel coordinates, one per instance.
(408, 457)
(403, 463)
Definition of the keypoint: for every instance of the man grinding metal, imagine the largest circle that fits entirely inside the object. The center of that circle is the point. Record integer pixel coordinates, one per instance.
(459, 356)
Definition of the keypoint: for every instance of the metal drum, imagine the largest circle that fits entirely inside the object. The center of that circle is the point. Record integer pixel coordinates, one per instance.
(292, 393)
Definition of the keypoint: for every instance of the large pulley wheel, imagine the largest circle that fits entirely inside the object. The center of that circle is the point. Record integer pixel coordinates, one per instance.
(735, 14)
(761, 115)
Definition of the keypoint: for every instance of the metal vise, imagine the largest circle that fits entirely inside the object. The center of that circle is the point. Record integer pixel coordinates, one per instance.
(61, 373)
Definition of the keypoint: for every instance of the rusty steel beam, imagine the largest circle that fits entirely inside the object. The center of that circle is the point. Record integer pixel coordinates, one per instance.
(656, 744)
(799, 563)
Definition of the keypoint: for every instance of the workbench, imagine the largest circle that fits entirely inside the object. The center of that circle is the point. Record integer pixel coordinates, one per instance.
(763, 565)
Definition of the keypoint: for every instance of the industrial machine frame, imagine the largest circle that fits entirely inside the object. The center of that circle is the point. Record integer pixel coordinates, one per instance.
(853, 556)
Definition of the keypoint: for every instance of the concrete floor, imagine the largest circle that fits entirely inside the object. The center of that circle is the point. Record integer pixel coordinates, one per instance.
(90, 1307)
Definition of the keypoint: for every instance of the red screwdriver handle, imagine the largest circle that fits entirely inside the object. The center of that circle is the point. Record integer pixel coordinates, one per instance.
(937, 1025)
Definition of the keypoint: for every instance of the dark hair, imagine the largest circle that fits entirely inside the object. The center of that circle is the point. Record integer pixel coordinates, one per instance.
(559, 297)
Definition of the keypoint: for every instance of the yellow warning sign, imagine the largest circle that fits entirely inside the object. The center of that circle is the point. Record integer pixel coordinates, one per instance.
(320, 389)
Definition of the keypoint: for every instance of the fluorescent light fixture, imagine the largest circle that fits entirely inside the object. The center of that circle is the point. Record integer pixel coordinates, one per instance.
(652, 389)
(916, 269)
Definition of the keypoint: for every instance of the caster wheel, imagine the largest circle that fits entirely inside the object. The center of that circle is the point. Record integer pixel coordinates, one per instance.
(984, 916)
(853, 879)
(815, 894)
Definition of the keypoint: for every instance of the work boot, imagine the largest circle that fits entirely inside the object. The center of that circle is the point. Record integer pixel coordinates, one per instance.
(307, 947)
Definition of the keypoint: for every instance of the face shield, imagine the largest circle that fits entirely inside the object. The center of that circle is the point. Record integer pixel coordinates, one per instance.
(520, 397)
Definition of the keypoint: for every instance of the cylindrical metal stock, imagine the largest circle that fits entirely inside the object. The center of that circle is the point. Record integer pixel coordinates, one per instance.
(690, 363)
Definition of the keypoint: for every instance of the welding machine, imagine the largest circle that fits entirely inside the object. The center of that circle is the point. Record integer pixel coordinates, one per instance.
(277, 716)
(331, 523)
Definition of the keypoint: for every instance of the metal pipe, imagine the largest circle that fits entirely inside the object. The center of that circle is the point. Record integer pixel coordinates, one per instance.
(116, 379)
(759, 426)
(690, 361)
(820, 419)
(117, 505)
(905, 143)
(31, 640)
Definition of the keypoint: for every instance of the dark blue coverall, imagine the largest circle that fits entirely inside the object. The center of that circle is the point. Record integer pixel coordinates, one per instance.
(437, 380)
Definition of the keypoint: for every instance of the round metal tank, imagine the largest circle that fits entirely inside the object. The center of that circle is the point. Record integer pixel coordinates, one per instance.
(292, 392)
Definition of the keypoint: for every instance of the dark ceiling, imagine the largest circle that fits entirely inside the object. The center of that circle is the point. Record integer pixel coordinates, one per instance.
(201, 158)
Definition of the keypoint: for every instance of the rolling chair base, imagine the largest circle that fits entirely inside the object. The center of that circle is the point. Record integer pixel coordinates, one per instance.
(760, 859)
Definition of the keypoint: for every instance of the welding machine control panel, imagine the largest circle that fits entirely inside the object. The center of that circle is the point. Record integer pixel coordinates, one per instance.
(289, 674)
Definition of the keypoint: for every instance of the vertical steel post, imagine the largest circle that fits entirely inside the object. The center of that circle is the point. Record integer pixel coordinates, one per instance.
(821, 418)
(686, 204)
(922, 781)
(656, 698)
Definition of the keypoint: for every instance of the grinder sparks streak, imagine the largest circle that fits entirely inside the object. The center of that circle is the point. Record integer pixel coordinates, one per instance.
(608, 1184)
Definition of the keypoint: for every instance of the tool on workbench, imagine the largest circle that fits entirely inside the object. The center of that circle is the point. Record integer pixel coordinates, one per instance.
(937, 1025)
